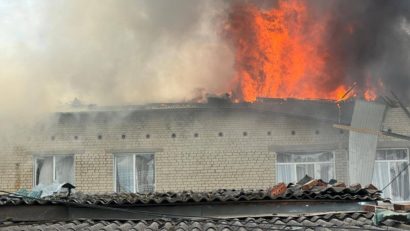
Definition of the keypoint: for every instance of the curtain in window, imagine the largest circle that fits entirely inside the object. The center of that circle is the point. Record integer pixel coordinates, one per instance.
(125, 173)
(304, 169)
(400, 186)
(304, 157)
(324, 171)
(44, 170)
(286, 173)
(294, 166)
(389, 163)
(64, 169)
(381, 177)
(144, 173)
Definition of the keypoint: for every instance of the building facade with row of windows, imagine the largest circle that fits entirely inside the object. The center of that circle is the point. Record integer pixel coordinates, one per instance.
(199, 148)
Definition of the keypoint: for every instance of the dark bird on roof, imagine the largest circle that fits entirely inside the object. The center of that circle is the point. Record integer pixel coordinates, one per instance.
(68, 186)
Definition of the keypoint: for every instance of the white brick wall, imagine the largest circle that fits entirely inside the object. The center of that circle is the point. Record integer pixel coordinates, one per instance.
(186, 162)
(396, 120)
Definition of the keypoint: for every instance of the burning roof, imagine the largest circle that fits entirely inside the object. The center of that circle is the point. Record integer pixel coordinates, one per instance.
(324, 110)
(314, 49)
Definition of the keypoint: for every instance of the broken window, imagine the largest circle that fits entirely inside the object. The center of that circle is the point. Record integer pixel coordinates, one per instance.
(50, 169)
(135, 173)
(291, 167)
(389, 163)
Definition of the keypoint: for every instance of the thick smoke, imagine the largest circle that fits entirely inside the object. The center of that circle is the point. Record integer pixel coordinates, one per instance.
(366, 42)
(108, 52)
(378, 47)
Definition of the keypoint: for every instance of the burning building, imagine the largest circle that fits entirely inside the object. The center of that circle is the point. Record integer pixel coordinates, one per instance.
(305, 79)
(307, 126)
(219, 144)
(317, 50)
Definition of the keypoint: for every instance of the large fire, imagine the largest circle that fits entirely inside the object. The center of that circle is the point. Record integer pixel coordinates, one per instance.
(281, 52)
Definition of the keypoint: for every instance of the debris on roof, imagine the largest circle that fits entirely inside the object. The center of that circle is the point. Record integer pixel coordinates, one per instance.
(311, 190)
(382, 215)
(278, 190)
(370, 213)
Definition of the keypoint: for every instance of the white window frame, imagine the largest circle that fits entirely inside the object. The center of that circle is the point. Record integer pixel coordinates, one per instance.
(315, 164)
(35, 157)
(407, 160)
(133, 169)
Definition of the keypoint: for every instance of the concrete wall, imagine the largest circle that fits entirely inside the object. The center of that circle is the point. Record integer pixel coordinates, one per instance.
(185, 162)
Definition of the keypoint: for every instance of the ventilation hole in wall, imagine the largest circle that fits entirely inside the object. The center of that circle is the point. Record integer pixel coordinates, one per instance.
(244, 133)
(341, 131)
(76, 137)
(123, 136)
(293, 133)
(196, 135)
(269, 133)
(147, 136)
(317, 132)
(173, 135)
(389, 130)
(99, 137)
(53, 138)
(220, 134)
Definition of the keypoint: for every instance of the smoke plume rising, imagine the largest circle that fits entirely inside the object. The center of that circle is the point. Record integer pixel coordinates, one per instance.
(110, 52)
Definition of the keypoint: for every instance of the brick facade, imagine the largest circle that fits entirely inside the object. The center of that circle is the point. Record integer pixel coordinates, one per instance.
(211, 148)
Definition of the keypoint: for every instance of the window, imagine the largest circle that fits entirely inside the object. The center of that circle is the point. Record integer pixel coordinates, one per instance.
(135, 173)
(291, 167)
(389, 163)
(50, 169)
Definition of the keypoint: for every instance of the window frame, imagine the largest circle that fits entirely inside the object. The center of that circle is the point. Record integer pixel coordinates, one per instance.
(406, 160)
(35, 157)
(315, 163)
(133, 169)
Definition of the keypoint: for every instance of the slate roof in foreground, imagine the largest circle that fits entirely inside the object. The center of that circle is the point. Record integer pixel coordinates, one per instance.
(307, 189)
(293, 192)
(334, 221)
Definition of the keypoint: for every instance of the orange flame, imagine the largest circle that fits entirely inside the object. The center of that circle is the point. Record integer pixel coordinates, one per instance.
(281, 53)
(369, 94)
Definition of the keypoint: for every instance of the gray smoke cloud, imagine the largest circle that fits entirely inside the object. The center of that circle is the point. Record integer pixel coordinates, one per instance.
(108, 52)
(379, 46)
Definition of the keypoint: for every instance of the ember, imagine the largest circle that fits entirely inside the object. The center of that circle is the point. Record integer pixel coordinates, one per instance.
(282, 52)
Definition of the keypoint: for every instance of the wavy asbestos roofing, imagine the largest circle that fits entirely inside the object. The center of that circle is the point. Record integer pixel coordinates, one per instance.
(293, 192)
(333, 221)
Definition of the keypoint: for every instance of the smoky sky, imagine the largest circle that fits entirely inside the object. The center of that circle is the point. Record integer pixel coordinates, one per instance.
(379, 46)
(110, 52)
